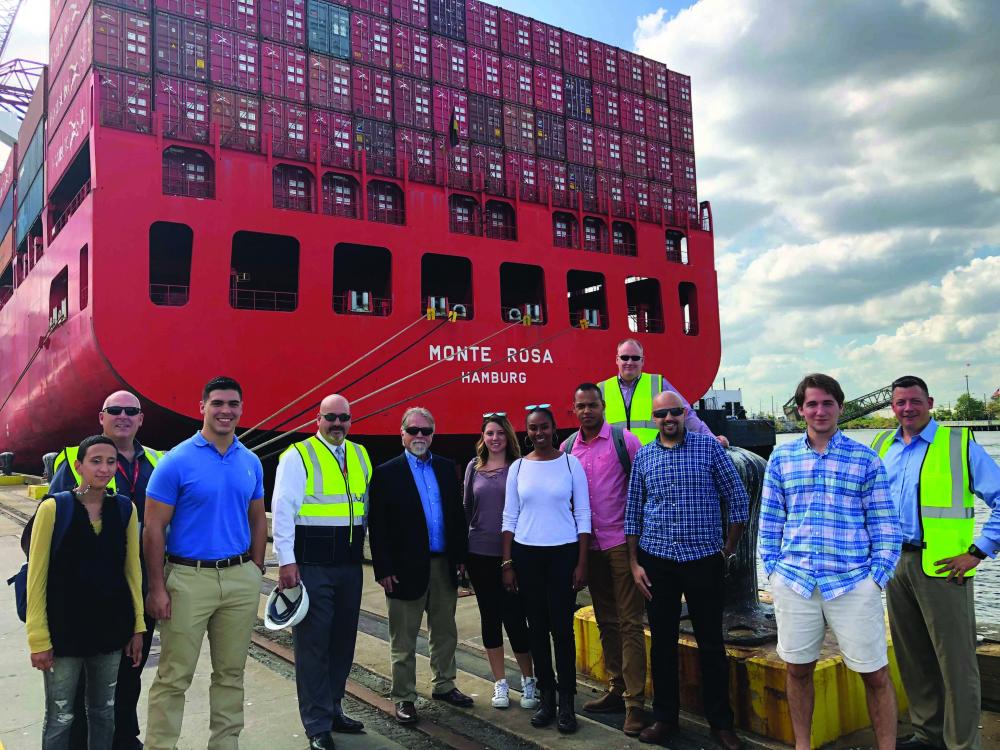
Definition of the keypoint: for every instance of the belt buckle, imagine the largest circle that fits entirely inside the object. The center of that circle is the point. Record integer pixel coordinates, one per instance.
(220, 564)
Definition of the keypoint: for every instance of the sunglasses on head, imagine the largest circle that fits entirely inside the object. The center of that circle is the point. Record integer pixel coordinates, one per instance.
(629, 357)
(494, 414)
(532, 407)
(333, 417)
(673, 411)
(425, 431)
(115, 411)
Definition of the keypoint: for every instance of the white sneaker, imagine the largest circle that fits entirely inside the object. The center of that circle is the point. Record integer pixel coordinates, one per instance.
(501, 694)
(529, 692)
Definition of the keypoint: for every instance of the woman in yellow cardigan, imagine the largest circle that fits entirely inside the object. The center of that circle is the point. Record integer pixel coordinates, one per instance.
(84, 597)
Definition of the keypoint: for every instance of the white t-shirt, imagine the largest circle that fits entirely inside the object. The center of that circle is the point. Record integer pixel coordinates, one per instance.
(537, 507)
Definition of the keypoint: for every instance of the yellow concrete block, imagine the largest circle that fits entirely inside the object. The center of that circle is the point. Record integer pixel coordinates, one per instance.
(38, 491)
(757, 685)
(13, 479)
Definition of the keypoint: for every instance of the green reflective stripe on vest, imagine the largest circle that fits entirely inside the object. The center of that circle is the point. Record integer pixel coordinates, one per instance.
(328, 501)
(69, 454)
(880, 439)
(638, 418)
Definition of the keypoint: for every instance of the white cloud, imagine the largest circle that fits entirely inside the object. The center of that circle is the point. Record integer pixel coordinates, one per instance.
(850, 151)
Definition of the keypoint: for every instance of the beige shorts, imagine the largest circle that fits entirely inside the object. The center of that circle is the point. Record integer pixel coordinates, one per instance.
(856, 618)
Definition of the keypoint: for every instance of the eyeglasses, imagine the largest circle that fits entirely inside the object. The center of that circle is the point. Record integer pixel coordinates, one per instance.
(629, 357)
(333, 417)
(673, 411)
(115, 411)
(425, 431)
(489, 414)
(532, 407)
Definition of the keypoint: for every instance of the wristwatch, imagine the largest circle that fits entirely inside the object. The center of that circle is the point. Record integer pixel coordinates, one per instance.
(976, 552)
(263, 569)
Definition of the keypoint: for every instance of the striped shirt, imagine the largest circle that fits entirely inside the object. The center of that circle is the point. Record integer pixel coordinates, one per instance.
(826, 519)
(675, 498)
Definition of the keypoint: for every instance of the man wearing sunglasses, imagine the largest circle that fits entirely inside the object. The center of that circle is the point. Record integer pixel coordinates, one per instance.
(319, 509)
(120, 419)
(629, 397)
(419, 541)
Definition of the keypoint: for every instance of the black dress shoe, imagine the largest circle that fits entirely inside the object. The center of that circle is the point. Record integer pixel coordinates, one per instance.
(914, 743)
(566, 722)
(346, 724)
(546, 710)
(321, 742)
(406, 712)
(455, 697)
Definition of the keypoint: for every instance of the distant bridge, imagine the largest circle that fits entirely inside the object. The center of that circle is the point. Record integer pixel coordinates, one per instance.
(853, 409)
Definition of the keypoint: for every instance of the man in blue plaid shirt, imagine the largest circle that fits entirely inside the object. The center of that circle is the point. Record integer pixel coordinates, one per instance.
(679, 486)
(829, 540)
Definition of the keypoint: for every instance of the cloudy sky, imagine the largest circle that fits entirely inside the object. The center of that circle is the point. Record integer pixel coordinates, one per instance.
(851, 151)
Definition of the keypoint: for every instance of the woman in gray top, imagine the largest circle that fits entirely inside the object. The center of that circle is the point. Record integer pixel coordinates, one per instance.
(485, 488)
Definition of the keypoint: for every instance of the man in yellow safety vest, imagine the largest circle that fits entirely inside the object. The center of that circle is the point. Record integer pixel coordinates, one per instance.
(935, 473)
(320, 509)
(629, 397)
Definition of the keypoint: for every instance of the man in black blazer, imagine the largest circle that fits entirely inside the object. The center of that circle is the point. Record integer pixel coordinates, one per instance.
(419, 542)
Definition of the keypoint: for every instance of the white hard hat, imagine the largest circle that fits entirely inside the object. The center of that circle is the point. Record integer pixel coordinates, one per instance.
(286, 607)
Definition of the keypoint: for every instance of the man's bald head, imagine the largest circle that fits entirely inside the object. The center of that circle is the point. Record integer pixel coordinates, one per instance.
(121, 398)
(121, 427)
(338, 407)
(668, 414)
(667, 400)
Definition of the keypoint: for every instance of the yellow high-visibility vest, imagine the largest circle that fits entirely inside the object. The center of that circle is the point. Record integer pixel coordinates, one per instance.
(637, 418)
(947, 503)
(69, 453)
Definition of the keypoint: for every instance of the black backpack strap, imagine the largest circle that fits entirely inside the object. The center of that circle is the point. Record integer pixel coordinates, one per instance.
(618, 438)
(568, 443)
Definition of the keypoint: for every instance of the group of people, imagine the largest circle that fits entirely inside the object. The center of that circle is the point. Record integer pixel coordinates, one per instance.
(641, 503)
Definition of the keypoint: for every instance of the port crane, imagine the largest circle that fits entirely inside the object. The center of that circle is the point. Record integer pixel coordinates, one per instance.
(18, 77)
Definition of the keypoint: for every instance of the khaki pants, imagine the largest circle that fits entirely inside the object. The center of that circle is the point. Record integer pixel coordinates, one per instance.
(619, 607)
(223, 602)
(933, 624)
(404, 625)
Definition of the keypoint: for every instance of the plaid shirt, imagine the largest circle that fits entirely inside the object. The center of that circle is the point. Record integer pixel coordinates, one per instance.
(827, 519)
(675, 498)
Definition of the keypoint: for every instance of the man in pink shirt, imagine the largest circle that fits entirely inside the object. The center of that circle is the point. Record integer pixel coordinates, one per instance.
(606, 453)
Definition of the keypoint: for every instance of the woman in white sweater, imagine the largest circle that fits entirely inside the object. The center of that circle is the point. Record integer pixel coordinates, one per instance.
(546, 533)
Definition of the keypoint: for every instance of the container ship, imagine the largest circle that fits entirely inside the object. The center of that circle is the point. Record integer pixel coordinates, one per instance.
(408, 201)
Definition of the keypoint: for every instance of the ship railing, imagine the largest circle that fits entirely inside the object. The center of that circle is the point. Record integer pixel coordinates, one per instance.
(381, 164)
(468, 223)
(289, 148)
(293, 202)
(676, 256)
(337, 157)
(263, 299)
(125, 117)
(641, 322)
(187, 184)
(564, 239)
(386, 215)
(169, 295)
(705, 208)
(379, 306)
(498, 230)
(622, 209)
(185, 129)
(239, 139)
(624, 247)
(70, 209)
(421, 172)
(339, 208)
(597, 244)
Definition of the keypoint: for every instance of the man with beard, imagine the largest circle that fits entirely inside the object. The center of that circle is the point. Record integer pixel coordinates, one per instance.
(419, 542)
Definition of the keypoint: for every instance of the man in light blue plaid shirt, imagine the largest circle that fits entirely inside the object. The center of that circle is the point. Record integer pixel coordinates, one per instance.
(829, 540)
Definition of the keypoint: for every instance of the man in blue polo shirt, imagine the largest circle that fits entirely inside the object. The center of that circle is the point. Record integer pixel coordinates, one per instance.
(205, 572)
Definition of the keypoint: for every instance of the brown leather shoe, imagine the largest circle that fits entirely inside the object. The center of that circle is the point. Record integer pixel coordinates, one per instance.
(658, 733)
(606, 704)
(406, 712)
(635, 721)
(727, 738)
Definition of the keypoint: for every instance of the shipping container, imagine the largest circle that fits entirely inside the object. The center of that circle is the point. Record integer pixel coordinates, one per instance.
(488, 161)
(603, 64)
(286, 124)
(124, 100)
(447, 17)
(192, 10)
(635, 156)
(519, 128)
(451, 103)
(330, 29)
(332, 135)
(371, 93)
(611, 188)
(579, 143)
(546, 45)
(411, 51)
(370, 41)
(548, 86)
(416, 148)
(143, 6)
(237, 116)
(685, 207)
(29, 205)
(75, 15)
(485, 120)
(181, 47)
(684, 177)
(654, 80)
(329, 83)
(411, 12)
(522, 170)
(681, 131)
(608, 149)
(183, 108)
(517, 78)
(237, 15)
(550, 135)
(515, 34)
(657, 120)
(456, 161)
(576, 55)
(72, 135)
(379, 8)
(679, 91)
(122, 39)
(484, 72)
(7, 177)
(552, 179)
(283, 72)
(660, 163)
(31, 158)
(64, 86)
(482, 25)
(378, 141)
(583, 180)
(607, 107)
(579, 98)
(412, 103)
(629, 72)
(284, 21)
(234, 60)
(448, 65)
(661, 200)
(633, 107)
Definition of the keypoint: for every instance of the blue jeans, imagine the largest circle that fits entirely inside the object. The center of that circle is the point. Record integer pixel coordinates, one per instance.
(60, 693)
